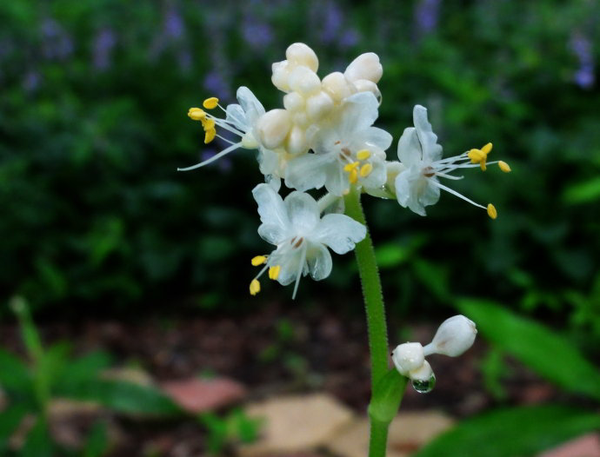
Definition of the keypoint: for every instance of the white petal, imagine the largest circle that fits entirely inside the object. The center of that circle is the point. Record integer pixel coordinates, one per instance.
(377, 177)
(303, 212)
(271, 208)
(415, 191)
(336, 181)
(409, 148)
(290, 265)
(319, 261)
(306, 172)
(250, 104)
(236, 116)
(428, 139)
(272, 233)
(378, 138)
(339, 232)
(359, 112)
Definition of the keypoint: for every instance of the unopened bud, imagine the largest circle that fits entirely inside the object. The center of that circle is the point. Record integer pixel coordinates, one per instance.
(319, 105)
(304, 81)
(365, 66)
(337, 86)
(453, 337)
(408, 357)
(273, 127)
(301, 54)
(281, 75)
(423, 373)
(364, 85)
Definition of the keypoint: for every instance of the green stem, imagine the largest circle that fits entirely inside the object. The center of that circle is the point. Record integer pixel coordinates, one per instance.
(372, 292)
(376, 324)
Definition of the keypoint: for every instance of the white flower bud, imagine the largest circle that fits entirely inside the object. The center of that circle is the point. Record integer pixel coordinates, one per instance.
(301, 54)
(281, 75)
(337, 86)
(408, 357)
(296, 141)
(300, 118)
(293, 101)
(364, 85)
(319, 106)
(273, 127)
(453, 337)
(365, 66)
(304, 81)
(423, 373)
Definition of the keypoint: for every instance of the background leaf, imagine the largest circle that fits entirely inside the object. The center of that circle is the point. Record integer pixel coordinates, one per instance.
(546, 352)
(512, 432)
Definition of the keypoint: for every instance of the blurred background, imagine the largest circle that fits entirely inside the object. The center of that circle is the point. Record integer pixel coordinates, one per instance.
(116, 251)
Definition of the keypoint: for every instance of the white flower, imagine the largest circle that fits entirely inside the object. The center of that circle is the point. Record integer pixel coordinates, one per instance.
(301, 235)
(418, 185)
(453, 337)
(348, 150)
(241, 120)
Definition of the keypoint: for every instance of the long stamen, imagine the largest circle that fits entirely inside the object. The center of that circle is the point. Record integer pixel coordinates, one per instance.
(300, 269)
(453, 192)
(231, 148)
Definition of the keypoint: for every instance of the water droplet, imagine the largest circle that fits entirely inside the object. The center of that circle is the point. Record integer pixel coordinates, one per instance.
(424, 386)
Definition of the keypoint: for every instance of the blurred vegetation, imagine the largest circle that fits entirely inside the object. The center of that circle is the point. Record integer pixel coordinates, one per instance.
(93, 126)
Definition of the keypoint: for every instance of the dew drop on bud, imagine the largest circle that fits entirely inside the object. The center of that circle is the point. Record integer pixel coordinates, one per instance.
(424, 386)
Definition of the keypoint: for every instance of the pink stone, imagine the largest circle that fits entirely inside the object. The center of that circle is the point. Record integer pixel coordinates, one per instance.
(200, 395)
(584, 446)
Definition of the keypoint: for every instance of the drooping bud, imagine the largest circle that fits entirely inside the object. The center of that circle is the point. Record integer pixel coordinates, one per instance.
(273, 127)
(453, 337)
(365, 66)
(408, 357)
(423, 373)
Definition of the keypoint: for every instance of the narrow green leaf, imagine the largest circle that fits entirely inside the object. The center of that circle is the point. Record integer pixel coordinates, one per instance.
(512, 432)
(583, 192)
(387, 396)
(38, 442)
(121, 396)
(97, 441)
(547, 353)
(87, 367)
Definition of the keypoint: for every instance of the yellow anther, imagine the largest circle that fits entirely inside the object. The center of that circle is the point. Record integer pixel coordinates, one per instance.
(254, 287)
(274, 272)
(487, 148)
(353, 176)
(208, 124)
(258, 260)
(351, 166)
(197, 114)
(491, 210)
(504, 166)
(476, 155)
(366, 170)
(211, 103)
(209, 135)
(363, 154)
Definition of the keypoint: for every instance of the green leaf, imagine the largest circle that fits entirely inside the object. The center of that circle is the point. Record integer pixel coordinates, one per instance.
(544, 351)
(387, 396)
(38, 442)
(87, 367)
(512, 432)
(583, 192)
(124, 397)
(10, 419)
(14, 374)
(97, 441)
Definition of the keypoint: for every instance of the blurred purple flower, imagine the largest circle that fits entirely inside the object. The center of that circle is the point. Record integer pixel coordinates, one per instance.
(426, 16)
(31, 81)
(349, 38)
(584, 77)
(257, 34)
(174, 26)
(56, 43)
(184, 57)
(215, 85)
(332, 20)
(104, 43)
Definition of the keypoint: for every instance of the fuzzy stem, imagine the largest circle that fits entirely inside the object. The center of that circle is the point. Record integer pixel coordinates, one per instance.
(376, 324)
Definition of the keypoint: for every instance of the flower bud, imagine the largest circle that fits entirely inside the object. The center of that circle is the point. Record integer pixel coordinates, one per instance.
(293, 101)
(408, 357)
(319, 105)
(337, 86)
(364, 85)
(453, 337)
(304, 81)
(301, 54)
(273, 127)
(296, 141)
(365, 66)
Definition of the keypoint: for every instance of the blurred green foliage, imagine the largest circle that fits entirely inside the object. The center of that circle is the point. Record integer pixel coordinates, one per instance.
(93, 126)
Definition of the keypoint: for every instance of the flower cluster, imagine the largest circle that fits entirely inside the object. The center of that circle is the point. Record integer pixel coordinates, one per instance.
(323, 138)
(452, 338)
